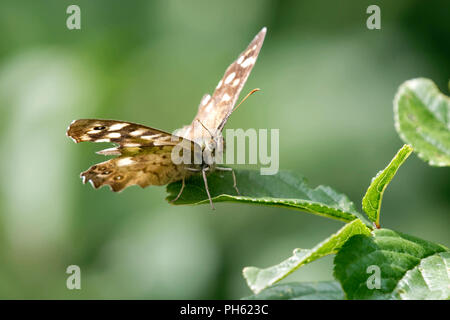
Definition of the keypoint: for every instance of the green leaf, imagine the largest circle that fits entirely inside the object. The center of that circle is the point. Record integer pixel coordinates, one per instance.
(422, 119)
(371, 202)
(284, 189)
(259, 279)
(324, 290)
(428, 280)
(395, 255)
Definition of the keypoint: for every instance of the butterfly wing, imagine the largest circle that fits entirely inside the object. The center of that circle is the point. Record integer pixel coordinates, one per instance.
(151, 166)
(145, 154)
(215, 109)
(125, 134)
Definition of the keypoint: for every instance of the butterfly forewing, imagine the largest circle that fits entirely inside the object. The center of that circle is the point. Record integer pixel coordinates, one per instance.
(215, 109)
(145, 153)
(125, 134)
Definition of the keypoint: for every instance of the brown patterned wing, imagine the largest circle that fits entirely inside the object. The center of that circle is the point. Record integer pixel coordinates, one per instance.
(215, 109)
(145, 154)
(152, 166)
(125, 134)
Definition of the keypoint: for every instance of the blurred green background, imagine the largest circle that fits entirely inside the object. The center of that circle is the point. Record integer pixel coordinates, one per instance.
(327, 83)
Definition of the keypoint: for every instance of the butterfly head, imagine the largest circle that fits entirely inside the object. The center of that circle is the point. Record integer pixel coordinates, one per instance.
(211, 143)
(211, 140)
(212, 148)
(214, 143)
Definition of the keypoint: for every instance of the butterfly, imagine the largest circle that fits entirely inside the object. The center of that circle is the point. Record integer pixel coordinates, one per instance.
(144, 154)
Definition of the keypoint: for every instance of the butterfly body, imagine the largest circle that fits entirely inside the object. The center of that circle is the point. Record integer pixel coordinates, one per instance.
(145, 155)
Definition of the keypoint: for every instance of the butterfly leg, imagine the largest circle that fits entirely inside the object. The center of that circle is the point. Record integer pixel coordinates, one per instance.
(179, 193)
(206, 186)
(234, 177)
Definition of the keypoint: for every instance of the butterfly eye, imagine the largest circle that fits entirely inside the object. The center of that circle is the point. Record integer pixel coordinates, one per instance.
(100, 128)
(118, 178)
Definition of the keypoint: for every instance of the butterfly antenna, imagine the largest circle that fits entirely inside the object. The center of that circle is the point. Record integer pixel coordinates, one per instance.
(248, 95)
(222, 124)
(205, 128)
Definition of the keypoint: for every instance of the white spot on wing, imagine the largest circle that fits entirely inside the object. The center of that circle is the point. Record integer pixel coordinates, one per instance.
(137, 132)
(226, 97)
(236, 82)
(102, 140)
(248, 62)
(124, 162)
(164, 138)
(206, 100)
(118, 126)
(219, 84)
(93, 131)
(114, 135)
(109, 152)
(241, 58)
(208, 107)
(131, 145)
(230, 78)
(151, 137)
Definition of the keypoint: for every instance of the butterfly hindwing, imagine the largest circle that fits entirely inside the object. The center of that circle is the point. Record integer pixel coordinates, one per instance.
(152, 166)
